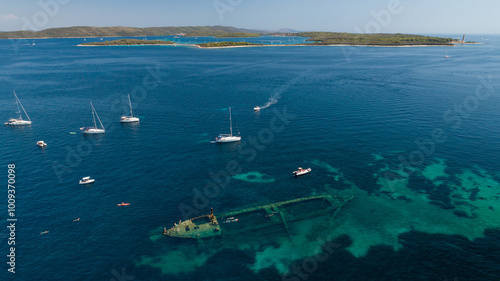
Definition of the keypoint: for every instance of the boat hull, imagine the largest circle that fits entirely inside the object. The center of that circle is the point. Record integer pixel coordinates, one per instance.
(93, 131)
(303, 172)
(19, 123)
(87, 182)
(129, 120)
(227, 139)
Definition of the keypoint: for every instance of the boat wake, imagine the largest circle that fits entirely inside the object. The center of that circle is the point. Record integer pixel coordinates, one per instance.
(277, 95)
(271, 101)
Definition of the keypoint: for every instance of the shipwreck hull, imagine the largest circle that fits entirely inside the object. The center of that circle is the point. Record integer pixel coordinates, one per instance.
(255, 218)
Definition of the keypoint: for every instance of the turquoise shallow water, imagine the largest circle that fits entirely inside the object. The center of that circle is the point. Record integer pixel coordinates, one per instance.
(355, 115)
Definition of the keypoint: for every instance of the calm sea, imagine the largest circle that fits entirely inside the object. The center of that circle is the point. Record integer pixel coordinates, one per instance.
(414, 136)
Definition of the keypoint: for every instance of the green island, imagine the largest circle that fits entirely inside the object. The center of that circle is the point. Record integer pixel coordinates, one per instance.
(314, 38)
(127, 42)
(375, 39)
(227, 44)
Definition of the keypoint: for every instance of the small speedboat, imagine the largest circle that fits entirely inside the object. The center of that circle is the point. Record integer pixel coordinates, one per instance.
(301, 171)
(86, 180)
(41, 143)
(123, 204)
(230, 220)
(256, 108)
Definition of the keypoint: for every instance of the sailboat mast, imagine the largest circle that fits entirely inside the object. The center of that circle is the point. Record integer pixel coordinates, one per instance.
(18, 109)
(230, 122)
(130, 103)
(93, 115)
(102, 127)
(20, 104)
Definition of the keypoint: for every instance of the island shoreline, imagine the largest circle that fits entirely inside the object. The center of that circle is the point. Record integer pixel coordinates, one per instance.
(279, 45)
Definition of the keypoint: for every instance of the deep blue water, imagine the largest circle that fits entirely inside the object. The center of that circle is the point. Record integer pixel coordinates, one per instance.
(344, 105)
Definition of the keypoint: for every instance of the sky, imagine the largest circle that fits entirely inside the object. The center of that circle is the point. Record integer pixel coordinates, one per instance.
(364, 16)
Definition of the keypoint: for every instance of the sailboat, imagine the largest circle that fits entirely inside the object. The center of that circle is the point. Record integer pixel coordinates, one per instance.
(446, 55)
(20, 121)
(228, 137)
(131, 118)
(94, 130)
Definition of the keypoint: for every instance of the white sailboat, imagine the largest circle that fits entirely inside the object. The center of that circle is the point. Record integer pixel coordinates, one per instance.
(446, 55)
(131, 118)
(19, 121)
(93, 130)
(222, 138)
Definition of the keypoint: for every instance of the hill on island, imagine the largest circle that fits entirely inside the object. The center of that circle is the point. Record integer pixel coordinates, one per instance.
(122, 31)
(373, 39)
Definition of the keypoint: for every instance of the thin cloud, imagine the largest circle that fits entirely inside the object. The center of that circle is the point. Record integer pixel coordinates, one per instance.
(8, 17)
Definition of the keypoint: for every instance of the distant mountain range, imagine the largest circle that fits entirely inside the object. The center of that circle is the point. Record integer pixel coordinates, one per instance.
(122, 31)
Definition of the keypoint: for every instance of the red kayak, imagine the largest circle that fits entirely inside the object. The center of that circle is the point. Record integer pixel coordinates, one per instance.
(123, 204)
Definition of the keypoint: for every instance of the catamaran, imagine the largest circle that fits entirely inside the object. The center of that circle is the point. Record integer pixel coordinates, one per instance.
(20, 121)
(228, 137)
(94, 130)
(131, 118)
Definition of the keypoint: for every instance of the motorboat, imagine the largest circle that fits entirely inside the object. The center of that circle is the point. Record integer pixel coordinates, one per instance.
(230, 220)
(131, 118)
(123, 204)
(41, 143)
(300, 171)
(256, 108)
(87, 180)
(223, 138)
